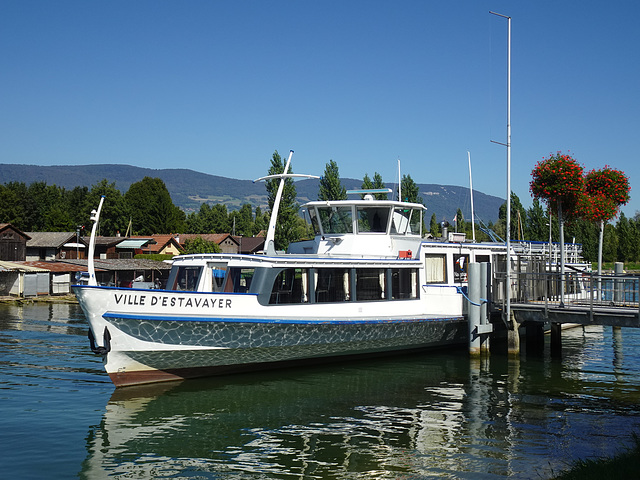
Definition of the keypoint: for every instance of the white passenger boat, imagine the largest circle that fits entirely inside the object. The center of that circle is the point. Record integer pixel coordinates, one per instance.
(367, 284)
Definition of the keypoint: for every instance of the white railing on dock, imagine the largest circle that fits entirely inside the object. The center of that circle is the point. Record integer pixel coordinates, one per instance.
(580, 289)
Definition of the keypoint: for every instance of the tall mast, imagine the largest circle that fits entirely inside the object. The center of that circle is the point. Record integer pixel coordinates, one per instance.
(508, 145)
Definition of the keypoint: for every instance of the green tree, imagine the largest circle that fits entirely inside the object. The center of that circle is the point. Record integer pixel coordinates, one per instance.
(241, 221)
(625, 239)
(537, 223)
(286, 226)
(200, 245)
(114, 216)
(518, 216)
(460, 223)
(12, 204)
(151, 208)
(434, 227)
(330, 186)
(261, 221)
(610, 244)
(219, 219)
(410, 190)
(368, 184)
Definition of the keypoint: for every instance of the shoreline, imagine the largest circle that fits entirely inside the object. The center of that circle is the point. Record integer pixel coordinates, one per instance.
(70, 298)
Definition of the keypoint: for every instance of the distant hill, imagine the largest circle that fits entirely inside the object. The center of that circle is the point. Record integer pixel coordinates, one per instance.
(189, 189)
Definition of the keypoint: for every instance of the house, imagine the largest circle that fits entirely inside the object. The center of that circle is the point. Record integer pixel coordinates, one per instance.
(160, 244)
(21, 280)
(13, 243)
(105, 247)
(61, 275)
(226, 242)
(55, 246)
(130, 247)
(250, 245)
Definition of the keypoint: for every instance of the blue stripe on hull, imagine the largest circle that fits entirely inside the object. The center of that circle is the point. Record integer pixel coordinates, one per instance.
(295, 321)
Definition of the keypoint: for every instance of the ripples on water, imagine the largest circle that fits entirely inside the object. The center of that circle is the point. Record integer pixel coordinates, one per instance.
(435, 415)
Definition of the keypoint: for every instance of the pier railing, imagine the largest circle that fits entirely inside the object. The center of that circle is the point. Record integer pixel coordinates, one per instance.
(534, 283)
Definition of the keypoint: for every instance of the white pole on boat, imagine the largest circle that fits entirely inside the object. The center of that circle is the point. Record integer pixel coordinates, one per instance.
(399, 183)
(95, 216)
(271, 230)
(473, 223)
(508, 232)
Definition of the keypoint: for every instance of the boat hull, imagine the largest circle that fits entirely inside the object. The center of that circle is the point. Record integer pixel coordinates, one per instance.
(151, 343)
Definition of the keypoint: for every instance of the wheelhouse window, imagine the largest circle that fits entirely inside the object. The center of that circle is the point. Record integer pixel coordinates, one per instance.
(184, 278)
(336, 219)
(435, 269)
(313, 217)
(372, 219)
(415, 221)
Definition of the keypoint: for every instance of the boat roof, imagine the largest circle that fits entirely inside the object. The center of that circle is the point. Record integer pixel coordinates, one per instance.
(364, 202)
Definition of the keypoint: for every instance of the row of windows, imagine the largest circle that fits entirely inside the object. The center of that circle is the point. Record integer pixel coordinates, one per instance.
(339, 220)
(305, 285)
(324, 285)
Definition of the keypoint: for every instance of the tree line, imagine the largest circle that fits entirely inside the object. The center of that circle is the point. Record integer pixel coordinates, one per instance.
(146, 208)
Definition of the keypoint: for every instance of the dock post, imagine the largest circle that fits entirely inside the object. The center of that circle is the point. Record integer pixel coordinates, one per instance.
(513, 336)
(556, 339)
(485, 294)
(474, 308)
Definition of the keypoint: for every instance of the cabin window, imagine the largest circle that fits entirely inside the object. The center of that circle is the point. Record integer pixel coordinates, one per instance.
(331, 285)
(460, 267)
(415, 221)
(435, 269)
(336, 219)
(290, 286)
(404, 283)
(370, 284)
(185, 278)
(239, 280)
(372, 219)
(313, 217)
(218, 274)
(400, 221)
(483, 259)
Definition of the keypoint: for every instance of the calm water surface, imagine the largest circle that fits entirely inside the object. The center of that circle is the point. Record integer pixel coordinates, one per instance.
(434, 415)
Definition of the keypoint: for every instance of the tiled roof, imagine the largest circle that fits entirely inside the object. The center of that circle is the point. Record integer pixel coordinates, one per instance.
(104, 241)
(209, 237)
(50, 239)
(60, 267)
(250, 244)
(124, 264)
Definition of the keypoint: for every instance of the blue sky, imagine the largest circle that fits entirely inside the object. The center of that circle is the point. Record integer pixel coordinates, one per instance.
(218, 86)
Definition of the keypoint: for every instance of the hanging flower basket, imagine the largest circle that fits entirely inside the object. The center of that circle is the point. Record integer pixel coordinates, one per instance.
(558, 180)
(609, 182)
(596, 207)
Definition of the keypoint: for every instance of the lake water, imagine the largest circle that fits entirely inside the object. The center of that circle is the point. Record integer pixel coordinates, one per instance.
(432, 415)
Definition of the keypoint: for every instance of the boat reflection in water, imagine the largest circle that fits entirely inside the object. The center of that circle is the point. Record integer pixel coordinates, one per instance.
(420, 416)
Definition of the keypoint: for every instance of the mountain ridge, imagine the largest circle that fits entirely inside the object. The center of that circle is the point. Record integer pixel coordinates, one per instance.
(189, 188)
